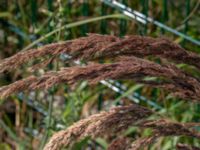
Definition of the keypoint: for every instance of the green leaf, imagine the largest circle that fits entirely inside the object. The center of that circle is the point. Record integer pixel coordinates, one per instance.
(81, 144)
(102, 143)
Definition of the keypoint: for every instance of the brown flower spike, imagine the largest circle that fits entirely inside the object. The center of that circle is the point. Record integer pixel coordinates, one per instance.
(99, 125)
(98, 46)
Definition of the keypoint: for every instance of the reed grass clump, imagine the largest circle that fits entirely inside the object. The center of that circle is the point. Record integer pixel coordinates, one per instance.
(127, 61)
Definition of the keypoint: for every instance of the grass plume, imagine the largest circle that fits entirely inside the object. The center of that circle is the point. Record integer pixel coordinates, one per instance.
(104, 123)
(116, 120)
(161, 128)
(182, 84)
(97, 46)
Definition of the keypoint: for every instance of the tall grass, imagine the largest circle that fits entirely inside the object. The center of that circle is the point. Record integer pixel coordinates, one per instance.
(127, 61)
(29, 118)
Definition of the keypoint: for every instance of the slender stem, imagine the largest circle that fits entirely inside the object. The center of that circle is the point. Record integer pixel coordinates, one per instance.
(67, 26)
(46, 135)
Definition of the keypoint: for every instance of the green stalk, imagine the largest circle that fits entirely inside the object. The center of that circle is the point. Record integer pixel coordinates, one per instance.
(70, 25)
(103, 25)
(164, 13)
(48, 125)
(85, 11)
(123, 23)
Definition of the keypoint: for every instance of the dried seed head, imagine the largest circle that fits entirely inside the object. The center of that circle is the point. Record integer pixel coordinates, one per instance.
(122, 143)
(181, 84)
(99, 125)
(97, 46)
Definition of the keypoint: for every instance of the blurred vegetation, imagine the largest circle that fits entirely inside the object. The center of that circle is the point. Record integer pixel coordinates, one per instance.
(28, 119)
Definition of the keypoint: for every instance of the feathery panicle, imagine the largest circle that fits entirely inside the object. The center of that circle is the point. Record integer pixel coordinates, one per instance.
(167, 128)
(161, 128)
(141, 46)
(122, 143)
(96, 46)
(74, 47)
(104, 123)
(183, 85)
